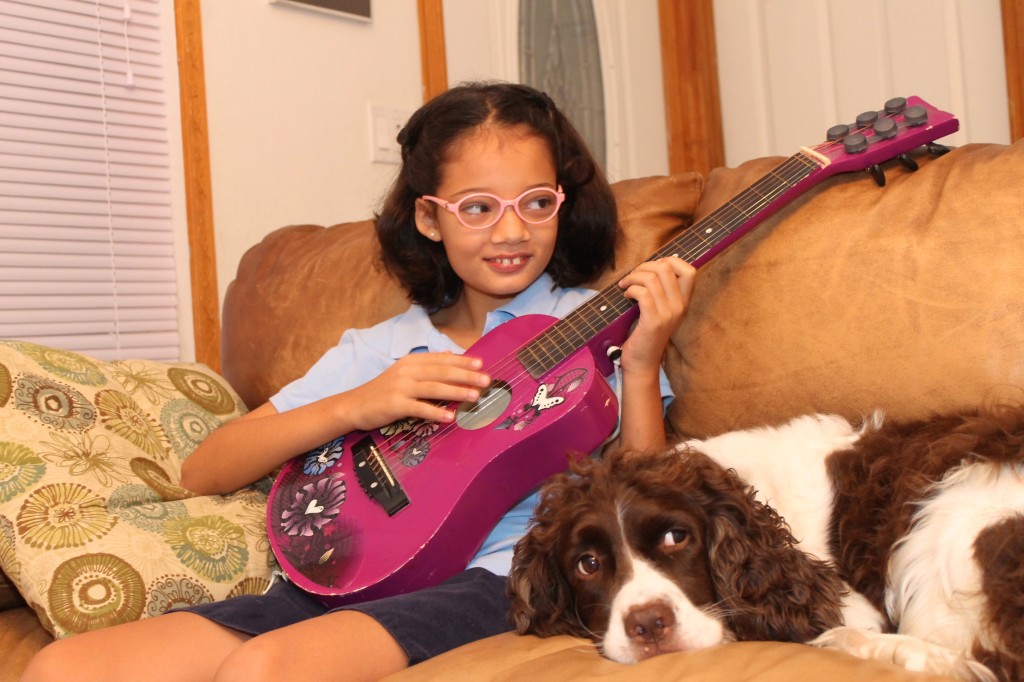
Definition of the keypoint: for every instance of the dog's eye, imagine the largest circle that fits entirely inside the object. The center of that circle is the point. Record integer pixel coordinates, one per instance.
(588, 565)
(675, 537)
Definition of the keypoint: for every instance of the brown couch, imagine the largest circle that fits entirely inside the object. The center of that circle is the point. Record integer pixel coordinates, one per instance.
(905, 297)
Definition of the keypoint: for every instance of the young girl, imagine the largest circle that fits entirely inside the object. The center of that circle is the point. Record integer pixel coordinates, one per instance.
(498, 210)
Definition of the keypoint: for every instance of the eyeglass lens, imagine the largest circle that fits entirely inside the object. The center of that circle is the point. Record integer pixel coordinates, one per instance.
(483, 210)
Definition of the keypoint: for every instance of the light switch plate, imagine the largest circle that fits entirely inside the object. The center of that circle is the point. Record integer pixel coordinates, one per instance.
(385, 123)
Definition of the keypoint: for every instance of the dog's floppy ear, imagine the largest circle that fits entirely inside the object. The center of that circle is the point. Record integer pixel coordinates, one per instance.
(770, 589)
(541, 599)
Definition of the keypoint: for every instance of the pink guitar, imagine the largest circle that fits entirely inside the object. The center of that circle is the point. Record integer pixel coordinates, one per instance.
(407, 506)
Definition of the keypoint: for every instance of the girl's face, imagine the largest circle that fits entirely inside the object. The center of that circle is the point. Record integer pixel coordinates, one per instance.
(497, 262)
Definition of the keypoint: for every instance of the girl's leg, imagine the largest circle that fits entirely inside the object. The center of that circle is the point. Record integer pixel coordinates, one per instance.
(358, 644)
(175, 646)
(342, 645)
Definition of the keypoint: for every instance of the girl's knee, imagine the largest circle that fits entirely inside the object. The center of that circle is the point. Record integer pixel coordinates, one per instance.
(259, 659)
(59, 660)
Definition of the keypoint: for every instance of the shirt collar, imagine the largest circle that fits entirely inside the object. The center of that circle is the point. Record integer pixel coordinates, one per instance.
(414, 332)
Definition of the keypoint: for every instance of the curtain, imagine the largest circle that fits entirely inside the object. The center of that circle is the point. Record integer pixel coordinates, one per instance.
(86, 243)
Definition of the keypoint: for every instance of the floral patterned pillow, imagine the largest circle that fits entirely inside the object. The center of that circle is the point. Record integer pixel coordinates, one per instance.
(95, 529)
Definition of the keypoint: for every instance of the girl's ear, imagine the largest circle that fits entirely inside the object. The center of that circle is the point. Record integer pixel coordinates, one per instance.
(426, 220)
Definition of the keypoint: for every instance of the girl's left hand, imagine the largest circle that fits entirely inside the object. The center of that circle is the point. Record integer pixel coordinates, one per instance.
(662, 289)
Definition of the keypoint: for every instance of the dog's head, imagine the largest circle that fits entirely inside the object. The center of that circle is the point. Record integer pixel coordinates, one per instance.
(647, 554)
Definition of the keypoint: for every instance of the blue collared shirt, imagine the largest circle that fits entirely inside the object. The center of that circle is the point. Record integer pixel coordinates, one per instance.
(363, 354)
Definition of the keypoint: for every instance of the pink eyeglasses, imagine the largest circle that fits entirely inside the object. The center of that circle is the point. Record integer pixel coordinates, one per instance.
(480, 211)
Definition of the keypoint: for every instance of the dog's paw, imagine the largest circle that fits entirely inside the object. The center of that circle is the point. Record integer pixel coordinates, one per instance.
(910, 653)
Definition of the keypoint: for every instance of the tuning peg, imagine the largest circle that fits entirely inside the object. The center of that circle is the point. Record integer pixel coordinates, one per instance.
(885, 128)
(877, 174)
(837, 132)
(895, 105)
(855, 143)
(916, 115)
(867, 119)
(937, 149)
(907, 162)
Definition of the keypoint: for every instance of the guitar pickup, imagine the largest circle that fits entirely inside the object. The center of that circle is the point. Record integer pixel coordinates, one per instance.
(375, 477)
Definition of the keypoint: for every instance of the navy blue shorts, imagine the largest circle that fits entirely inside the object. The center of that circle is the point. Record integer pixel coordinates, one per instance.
(470, 606)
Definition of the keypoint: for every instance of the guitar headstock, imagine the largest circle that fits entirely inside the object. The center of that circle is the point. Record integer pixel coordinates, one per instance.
(876, 136)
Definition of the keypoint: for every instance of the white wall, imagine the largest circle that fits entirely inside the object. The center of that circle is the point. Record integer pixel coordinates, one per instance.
(481, 39)
(287, 93)
(790, 69)
(288, 89)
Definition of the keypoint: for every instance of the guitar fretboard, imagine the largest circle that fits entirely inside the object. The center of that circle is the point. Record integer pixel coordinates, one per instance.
(577, 328)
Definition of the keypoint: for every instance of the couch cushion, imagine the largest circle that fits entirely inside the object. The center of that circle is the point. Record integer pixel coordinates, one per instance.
(300, 288)
(511, 657)
(9, 595)
(94, 528)
(905, 297)
(21, 637)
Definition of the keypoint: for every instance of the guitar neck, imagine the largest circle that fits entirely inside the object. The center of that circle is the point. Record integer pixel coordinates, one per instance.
(609, 313)
(876, 136)
(733, 219)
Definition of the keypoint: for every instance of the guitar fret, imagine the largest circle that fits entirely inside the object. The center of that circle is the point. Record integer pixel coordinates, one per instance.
(576, 329)
(528, 357)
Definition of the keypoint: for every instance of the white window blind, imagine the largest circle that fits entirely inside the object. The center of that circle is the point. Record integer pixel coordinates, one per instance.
(86, 243)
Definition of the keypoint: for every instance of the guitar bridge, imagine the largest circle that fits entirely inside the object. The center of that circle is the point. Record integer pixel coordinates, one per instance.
(375, 477)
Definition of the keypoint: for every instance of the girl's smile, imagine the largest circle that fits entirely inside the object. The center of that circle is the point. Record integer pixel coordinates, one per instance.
(508, 264)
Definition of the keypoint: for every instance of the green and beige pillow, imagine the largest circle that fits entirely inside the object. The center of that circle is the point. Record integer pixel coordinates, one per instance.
(95, 529)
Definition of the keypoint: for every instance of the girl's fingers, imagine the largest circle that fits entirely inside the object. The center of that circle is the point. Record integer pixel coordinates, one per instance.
(661, 289)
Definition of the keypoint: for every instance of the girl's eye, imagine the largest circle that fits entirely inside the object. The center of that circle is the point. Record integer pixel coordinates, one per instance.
(539, 203)
(676, 538)
(588, 565)
(476, 207)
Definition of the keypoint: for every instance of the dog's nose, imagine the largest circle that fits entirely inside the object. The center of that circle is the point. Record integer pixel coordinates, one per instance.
(650, 623)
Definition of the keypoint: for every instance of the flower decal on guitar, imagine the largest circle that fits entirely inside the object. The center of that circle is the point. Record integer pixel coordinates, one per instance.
(410, 439)
(546, 397)
(318, 460)
(315, 505)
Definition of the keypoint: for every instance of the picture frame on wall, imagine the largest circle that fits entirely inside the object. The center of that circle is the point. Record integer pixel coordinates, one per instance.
(350, 9)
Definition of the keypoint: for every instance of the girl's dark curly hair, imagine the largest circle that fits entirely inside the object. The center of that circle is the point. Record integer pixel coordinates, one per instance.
(587, 221)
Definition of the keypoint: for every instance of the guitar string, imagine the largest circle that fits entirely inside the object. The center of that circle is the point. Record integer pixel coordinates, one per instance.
(696, 238)
(690, 242)
(740, 216)
(707, 237)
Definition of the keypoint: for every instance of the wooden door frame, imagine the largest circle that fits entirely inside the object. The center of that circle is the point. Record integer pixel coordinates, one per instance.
(1013, 48)
(689, 64)
(198, 198)
(690, 78)
(693, 115)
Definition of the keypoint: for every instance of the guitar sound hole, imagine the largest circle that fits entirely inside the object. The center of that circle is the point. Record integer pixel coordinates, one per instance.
(491, 405)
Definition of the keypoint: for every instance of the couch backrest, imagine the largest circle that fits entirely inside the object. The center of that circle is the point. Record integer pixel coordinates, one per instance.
(905, 297)
(303, 285)
(908, 297)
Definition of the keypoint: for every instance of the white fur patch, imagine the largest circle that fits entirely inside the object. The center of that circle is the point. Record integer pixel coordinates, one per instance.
(694, 629)
(786, 466)
(934, 583)
(906, 651)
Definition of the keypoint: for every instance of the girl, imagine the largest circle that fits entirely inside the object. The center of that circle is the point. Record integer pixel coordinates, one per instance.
(498, 210)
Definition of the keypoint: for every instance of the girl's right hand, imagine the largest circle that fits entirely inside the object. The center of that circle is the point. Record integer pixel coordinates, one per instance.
(418, 385)
(245, 449)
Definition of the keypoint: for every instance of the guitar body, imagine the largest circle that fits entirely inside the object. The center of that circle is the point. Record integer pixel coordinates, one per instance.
(341, 533)
(375, 514)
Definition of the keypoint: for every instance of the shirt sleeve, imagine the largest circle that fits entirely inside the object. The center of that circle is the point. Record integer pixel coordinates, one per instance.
(351, 363)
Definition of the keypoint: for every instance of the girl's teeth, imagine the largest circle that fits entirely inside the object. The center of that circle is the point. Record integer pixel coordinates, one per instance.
(509, 261)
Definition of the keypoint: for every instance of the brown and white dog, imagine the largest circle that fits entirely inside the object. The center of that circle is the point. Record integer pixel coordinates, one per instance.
(897, 541)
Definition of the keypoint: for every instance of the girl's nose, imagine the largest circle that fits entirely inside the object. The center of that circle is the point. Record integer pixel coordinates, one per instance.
(510, 228)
